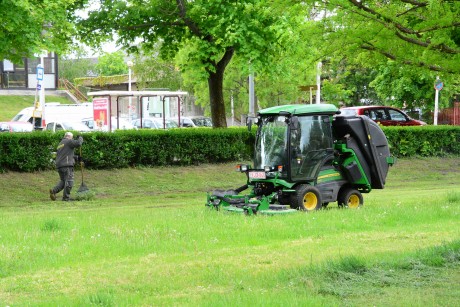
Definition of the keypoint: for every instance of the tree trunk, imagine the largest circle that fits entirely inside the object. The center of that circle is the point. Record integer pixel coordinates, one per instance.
(216, 94)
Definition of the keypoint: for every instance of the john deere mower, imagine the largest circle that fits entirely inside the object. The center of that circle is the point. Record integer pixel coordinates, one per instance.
(307, 156)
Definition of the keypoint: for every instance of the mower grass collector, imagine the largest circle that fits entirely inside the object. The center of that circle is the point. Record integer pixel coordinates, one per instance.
(307, 156)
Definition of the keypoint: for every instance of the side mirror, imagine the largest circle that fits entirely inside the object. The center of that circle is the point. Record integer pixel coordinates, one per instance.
(250, 121)
(294, 123)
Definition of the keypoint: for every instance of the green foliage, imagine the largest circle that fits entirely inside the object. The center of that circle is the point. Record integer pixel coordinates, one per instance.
(204, 35)
(426, 141)
(29, 27)
(111, 64)
(154, 72)
(28, 152)
(71, 69)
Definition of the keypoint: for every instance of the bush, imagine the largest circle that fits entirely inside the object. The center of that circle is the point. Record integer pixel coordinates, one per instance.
(426, 141)
(27, 152)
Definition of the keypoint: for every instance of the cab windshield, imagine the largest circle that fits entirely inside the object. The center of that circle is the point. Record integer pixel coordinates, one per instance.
(271, 142)
(311, 143)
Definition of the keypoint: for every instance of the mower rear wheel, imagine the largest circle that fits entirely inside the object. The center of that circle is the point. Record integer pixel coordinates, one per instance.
(308, 198)
(350, 198)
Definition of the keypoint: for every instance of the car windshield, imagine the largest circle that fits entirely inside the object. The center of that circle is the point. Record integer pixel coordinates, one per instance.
(76, 126)
(168, 123)
(271, 142)
(347, 112)
(202, 122)
(21, 128)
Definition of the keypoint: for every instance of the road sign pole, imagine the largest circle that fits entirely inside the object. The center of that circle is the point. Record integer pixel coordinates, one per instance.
(436, 103)
(438, 85)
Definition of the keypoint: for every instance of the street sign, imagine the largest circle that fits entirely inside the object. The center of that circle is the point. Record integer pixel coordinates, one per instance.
(308, 87)
(40, 72)
(438, 85)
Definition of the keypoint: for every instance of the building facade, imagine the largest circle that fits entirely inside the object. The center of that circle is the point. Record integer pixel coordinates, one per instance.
(23, 76)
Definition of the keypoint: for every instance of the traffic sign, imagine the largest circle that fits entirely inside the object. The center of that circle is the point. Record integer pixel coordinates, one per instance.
(438, 85)
(308, 87)
(40, 72)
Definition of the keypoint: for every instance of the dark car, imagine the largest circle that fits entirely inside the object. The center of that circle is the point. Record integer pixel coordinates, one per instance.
(385, 116)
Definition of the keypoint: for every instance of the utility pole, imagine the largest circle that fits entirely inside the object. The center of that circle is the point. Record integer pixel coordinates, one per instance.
(438, 85)
(318, 83)
(251, 95)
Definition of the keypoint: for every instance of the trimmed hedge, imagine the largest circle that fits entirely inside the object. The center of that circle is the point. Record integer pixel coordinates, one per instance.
(27, 152)
(425, 141)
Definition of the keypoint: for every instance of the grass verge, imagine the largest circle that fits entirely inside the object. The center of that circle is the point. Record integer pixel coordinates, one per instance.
(147, 239)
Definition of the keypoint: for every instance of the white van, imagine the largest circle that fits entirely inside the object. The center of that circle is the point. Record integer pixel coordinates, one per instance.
(55, 112)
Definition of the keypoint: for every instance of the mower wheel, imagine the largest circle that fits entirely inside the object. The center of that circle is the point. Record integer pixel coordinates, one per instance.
(308, 198)
(350, 198)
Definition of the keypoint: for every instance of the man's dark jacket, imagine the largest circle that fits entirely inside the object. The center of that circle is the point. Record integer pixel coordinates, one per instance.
(65, 152)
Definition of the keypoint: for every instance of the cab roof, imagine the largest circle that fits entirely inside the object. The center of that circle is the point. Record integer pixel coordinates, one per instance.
(301, 109)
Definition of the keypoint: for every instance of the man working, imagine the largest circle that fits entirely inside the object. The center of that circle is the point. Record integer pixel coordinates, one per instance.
(64, 163)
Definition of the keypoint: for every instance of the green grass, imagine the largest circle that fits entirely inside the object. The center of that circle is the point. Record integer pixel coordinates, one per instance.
(11, 105)
(147, 239)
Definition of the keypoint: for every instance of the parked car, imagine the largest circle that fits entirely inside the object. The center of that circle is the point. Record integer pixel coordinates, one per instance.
(154, 123)
(67, 126)
(123, 124)
(196, 121)
(16, 127)
(386, 116)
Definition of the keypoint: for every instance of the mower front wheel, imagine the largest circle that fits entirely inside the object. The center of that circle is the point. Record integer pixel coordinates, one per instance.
(308, 198)
(350, 198)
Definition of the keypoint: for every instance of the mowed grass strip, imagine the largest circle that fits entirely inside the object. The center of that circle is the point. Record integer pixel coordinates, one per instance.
(147, 239)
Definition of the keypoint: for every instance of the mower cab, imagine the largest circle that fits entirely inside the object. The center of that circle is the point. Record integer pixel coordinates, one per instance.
(306, 156)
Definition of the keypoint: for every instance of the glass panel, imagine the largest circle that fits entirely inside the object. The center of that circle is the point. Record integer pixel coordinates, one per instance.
(16, 80)
(395, 115)
(32, 65)
(309, 146)
(49, 66)
(271, 143)
(8, 65)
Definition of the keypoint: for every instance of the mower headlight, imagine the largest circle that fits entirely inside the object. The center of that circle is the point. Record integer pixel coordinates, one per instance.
(242, 167)
(267, 168)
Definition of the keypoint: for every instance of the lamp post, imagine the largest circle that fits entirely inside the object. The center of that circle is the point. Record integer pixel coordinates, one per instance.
(130, 65)
(318, 82)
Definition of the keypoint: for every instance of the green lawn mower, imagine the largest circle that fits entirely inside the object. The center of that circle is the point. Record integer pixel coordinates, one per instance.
(307, 156)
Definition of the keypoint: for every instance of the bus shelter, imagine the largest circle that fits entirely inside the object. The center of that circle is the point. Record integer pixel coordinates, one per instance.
(112, 107)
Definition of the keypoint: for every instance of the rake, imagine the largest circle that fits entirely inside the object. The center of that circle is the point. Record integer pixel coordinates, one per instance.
(83, 188)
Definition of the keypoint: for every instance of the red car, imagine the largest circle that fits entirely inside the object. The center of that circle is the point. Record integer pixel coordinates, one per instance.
(386, 116)
(16, 127)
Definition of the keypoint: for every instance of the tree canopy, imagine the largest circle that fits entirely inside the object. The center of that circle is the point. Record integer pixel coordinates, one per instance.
(28, 27)
(207, 33)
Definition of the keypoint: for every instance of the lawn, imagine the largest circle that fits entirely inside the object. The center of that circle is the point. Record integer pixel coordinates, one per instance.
(147, 239)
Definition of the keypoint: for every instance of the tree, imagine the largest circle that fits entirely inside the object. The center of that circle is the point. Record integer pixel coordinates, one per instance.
(111, 64)
(411, 32)
(77, 66)
(417, 40)
(207, 33)
(28, 27)
(153, 72)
